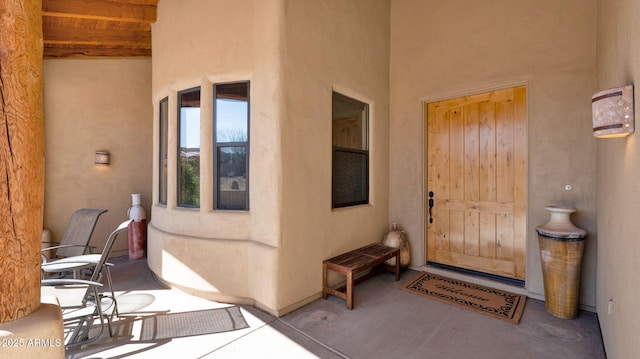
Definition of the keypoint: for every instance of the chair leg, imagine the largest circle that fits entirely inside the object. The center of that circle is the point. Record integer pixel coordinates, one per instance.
(113, 295)
(109, 326)
(104, 313)
(76, 333)
(80, 333)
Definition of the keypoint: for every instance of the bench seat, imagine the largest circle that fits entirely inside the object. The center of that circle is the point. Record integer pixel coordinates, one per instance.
(357, 261)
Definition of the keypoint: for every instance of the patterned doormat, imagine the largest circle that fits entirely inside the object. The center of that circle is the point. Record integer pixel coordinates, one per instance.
(199, 322)
(493, 302)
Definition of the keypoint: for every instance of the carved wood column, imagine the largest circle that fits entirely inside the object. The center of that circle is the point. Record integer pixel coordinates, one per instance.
(21, 157)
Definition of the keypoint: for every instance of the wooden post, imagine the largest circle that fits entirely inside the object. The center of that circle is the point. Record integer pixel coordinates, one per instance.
(21, 157)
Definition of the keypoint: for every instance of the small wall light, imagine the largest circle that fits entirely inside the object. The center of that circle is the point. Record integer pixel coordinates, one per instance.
(102, 158)
(612, 112)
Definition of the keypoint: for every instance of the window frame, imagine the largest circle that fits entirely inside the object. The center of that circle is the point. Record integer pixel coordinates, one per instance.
(178, 157)
(361, 152)
(218, 145)
(163, 151)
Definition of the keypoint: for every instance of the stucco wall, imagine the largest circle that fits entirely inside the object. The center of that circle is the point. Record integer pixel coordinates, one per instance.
(443, 50)
(92, 105)
(294, 58)
(294, 53)
(618, 185)
(342, 46)
(227, 255)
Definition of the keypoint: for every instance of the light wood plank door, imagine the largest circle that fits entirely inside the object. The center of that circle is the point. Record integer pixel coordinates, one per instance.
(476, 182)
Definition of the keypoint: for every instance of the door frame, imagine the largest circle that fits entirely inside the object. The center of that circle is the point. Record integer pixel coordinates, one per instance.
(453, 95)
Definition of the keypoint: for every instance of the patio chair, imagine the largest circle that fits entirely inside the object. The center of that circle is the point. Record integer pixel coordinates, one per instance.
(81, 300)
(80, 308)
(76, 236)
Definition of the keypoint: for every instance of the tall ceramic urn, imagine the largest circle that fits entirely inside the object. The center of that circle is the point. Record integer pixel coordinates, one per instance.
(397, 238)
(137, 228)
(561, 249)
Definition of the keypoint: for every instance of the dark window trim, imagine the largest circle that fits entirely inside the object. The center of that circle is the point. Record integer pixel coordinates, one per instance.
(163, 145)
(178, 184)
(364, 152)
(217, 145)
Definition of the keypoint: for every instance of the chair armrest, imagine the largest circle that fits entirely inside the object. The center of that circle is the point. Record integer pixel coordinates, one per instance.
(58, 266)
(44, 257)
(62, 246)
(49, 248)
(50, 242)
(54, 282)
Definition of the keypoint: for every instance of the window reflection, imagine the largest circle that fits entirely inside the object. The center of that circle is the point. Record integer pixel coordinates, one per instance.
(232, 118)
(189, 148)
(232, 177)
(231, 134)
(350, 160)
(164, 121)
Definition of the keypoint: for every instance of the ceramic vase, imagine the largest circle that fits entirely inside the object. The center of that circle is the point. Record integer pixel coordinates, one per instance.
(561, 249)
(397, 238)
(137, 228)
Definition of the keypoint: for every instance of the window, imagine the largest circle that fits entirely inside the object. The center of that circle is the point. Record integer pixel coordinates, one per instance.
(164, 121)
(189, 148)
(231, 145)
(350, 159)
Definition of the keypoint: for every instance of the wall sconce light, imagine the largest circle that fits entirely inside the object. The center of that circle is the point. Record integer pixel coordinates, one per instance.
(612, 112)
(102, 158)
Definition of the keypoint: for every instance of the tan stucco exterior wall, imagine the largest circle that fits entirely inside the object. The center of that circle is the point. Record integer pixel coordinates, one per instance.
(340, 46)
(447, 49)
(271, 255)
(92, 105)
(224, 255)
(618, 190)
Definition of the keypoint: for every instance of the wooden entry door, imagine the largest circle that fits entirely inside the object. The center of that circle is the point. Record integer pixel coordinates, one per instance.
(476, 182)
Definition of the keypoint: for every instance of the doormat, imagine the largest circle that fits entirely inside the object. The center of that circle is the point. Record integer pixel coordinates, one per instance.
(493, 302)
(186, 324)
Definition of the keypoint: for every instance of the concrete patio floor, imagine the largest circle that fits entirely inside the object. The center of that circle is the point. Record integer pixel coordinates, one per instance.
(387, 322)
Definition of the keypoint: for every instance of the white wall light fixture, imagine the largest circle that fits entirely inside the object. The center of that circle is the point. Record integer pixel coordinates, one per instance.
(102, 158)
(612, 112)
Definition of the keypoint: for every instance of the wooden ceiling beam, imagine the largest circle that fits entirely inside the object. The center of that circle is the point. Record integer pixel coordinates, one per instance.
(83, 52)
(108, 44)
(97, 28)
(71, 35)
(49, 22)
(100, 10)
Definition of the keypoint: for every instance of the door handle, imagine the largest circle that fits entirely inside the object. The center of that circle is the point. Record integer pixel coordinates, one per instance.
(430, 206)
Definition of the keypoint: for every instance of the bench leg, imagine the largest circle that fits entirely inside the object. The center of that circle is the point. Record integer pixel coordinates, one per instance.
(349, 290)
(398, 267)
(324, 281)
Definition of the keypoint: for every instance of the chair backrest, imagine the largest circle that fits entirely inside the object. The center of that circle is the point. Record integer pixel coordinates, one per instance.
(78, 232)
(108, 246)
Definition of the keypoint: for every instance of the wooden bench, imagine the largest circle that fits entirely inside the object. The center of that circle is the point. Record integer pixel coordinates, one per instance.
(354, 262)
